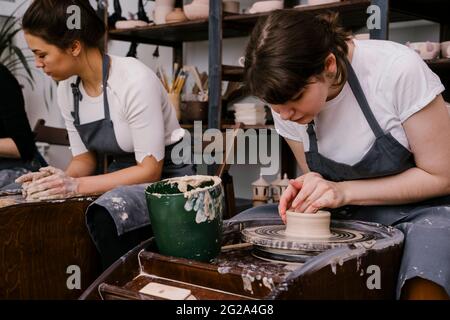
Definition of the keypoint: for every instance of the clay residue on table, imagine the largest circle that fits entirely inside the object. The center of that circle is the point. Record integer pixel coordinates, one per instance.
(253, 271)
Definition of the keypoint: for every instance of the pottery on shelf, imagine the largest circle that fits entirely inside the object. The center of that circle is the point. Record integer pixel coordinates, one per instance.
(177, 15)
(198, 9)
(250, 113)
(445, 49)
(231, 6)
(265, 6)
(308, 225)
(427, 50)
(194, 111)
(130, 24)
(260, 190)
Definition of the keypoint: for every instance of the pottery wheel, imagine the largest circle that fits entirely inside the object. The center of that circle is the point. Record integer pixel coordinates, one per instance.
(271, 243)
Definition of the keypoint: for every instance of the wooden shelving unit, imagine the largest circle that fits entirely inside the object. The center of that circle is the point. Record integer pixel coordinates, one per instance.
(352, 13)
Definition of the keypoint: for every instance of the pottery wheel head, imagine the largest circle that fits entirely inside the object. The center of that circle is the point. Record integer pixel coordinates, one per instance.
(274, 237)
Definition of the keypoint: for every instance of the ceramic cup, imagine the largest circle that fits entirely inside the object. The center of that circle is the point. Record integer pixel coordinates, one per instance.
(427, 50)
(160, 13)
(265, 6)
(241, 61)
(231, 6)
(445, 49)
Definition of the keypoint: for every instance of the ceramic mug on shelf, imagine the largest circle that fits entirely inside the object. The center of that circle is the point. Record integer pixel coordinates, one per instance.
(231, 6)
(161, 9)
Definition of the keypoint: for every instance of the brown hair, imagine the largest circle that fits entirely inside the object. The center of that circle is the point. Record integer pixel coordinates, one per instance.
(47, 19)
(289, 47)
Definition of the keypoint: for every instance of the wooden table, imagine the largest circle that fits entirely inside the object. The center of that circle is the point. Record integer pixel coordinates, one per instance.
(39, 242)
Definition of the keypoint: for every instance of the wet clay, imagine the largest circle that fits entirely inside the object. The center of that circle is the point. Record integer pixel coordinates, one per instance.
(308, 225)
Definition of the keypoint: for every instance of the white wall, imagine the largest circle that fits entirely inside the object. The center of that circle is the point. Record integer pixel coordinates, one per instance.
(196, 54)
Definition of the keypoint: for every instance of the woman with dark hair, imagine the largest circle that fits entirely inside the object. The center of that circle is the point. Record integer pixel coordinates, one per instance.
(18, 153)
(111, 105)
(369, 129)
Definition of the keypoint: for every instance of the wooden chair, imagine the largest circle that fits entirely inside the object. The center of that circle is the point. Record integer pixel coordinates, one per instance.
(50, 135)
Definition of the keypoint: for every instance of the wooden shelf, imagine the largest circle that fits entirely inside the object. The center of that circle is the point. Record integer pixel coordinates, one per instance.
(439, 65)
(232, 73)
(352, 12)
(434, 10)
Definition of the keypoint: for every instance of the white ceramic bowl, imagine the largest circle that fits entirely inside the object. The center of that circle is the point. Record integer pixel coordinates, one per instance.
(266, 6)
(445, 49)
(427, 50)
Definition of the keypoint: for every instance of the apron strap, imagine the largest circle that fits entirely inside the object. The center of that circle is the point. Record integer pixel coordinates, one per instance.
(77, 96)
(362, 101)
(312, 138)
(105, 75)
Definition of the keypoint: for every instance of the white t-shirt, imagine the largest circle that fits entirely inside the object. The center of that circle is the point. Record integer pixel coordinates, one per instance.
(397, 83)
(144, 120)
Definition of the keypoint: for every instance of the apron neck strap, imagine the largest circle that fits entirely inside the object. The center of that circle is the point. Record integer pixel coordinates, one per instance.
(77, 96)
(362, 101)
(105, 75)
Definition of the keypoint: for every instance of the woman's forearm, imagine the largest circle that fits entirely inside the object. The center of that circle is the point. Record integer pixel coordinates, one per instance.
(410, 186)
(8, 148)
(103, 183)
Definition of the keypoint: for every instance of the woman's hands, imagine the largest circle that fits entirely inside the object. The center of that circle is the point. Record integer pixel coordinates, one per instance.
(48, 184)
(309, 193)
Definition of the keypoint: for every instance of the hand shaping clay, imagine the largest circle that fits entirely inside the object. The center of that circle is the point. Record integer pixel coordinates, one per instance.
(308, 225)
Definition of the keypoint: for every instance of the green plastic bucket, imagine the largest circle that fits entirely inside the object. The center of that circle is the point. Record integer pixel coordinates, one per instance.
(186, 216)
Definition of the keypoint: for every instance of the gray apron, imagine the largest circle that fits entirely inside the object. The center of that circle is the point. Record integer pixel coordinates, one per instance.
(426, 225)
(126, 204)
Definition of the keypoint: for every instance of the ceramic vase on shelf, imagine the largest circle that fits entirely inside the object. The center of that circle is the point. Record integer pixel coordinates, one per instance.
(260, 191)
(161, 9)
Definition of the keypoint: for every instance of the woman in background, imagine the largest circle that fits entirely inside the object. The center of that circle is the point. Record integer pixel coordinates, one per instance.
(111, 105)
(18, 153)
